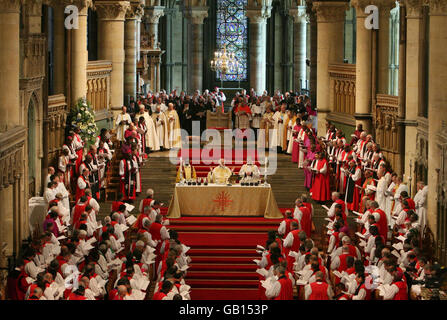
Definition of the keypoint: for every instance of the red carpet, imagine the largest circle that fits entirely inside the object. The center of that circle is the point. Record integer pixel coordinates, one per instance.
(216, 154)
(222, 266)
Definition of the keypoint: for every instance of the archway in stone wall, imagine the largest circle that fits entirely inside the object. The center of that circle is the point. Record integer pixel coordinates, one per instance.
(32, 146)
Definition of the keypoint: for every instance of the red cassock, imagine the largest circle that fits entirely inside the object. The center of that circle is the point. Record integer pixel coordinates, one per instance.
(320, 187)
(80, 192)
(146, 203)
(383, 224)
(80, 153)
(295, 247)
(116, 205)
(154, 230)
(286, 292)
(288, 222)
(78, 210)
(411, 204)
(74, 296)
(343, 265)
(158, 295)
(343, 210)
(295, 145)
(402, 294)
(128, 181)
(355, 203)
(139, 223)
(319, 291)
(309, 206)
(306, 220)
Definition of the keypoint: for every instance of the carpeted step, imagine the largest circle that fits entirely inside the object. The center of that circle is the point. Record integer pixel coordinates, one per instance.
(216, 228)
(220, 220)
(226, 223)
(205, 283)
(222, 252)
(227, 260)
(221, 266)
(222, 275)
(225, 294)
(222, 240)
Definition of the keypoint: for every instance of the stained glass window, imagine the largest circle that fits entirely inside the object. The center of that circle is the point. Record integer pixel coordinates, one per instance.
(232, 33)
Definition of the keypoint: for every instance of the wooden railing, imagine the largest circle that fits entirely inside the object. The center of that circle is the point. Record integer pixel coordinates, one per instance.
(98, 84)
(57, 115)
(385, 116)
(342, 87)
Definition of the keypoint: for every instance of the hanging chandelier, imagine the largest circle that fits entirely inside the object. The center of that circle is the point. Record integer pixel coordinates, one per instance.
(223, 62)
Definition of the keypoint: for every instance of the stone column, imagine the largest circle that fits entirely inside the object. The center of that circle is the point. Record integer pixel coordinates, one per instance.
(437, 99)
(257, 18)
(299, 46)
(9, 64)
(330, 24)
(79, 53)
(383, 45)
(59, 48)
(168, 69)
(152, 17)
(363, 67)
(111, 16)
(312, 45)
(196, 15)
(414, 79)
(133, 17)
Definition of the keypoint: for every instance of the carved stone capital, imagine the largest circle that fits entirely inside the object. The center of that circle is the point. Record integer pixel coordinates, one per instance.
(438, 7)
(136, 10)
(153, 14)
(414, 8)
(112, 10)
(196, 14)
(330, 11)
(10, 6)
(298, 14)
(258, 11)
(33, 8)
(82, 5)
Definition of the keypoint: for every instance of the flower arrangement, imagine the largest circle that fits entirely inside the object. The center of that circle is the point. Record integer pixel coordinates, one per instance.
(82, 116)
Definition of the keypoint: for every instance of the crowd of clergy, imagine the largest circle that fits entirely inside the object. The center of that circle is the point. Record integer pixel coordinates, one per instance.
(79, 257)
(76, 256)
(376, 255)
(165, 113)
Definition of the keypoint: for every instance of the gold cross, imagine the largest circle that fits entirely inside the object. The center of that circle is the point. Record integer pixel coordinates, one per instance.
(223, 200)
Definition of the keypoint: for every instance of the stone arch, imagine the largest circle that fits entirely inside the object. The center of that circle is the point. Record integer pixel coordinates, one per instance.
(33, 143)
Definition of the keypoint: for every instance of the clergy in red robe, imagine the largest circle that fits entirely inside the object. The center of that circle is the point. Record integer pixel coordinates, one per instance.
(292, 242)
(353, 185)
(82, 183)
(284, 286)
(320, 186)
(305, 219)
(78, 145)
(128, 178)
(165, 289)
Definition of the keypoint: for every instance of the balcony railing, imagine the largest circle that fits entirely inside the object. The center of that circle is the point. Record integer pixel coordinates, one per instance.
(98, 84)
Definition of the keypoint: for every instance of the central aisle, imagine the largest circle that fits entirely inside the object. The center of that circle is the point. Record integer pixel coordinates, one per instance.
(223, 248)
(222, 253)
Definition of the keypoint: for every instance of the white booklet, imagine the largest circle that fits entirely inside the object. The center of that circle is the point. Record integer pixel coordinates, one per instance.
(131, 220)
(129, 207)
